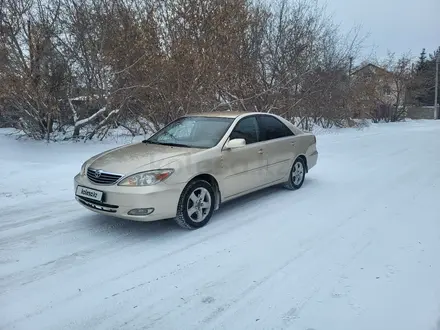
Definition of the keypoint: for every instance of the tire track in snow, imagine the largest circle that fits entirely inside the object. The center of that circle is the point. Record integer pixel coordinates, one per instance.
(311, 250)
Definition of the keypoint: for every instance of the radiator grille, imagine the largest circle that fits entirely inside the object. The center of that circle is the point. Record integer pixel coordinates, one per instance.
(102, 177)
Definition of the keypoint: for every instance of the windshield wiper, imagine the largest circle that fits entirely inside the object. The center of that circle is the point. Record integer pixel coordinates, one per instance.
(178, 145)
(169, 144)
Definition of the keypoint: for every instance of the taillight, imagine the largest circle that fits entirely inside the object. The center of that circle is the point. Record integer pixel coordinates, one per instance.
(314, 139)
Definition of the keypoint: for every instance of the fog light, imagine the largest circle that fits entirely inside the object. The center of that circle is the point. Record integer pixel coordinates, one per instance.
(140, 212)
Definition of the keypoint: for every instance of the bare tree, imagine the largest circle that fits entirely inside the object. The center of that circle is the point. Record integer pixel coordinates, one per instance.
(402, 75)
(96, 64)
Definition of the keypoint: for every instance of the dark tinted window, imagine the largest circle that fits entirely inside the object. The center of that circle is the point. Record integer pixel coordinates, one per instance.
(271, 128)
(247, 129)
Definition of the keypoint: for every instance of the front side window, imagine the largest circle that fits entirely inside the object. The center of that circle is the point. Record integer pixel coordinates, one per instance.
(247, 129)
(193, 132)
(271, 128)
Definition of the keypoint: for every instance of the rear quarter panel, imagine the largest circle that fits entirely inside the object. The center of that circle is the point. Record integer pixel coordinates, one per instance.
(310, 151)
(306, 145)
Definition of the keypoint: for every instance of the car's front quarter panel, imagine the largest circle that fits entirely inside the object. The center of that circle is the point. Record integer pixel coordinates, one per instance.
(187, 167)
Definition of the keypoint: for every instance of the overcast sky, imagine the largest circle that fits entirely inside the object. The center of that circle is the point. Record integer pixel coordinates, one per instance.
(396, 25)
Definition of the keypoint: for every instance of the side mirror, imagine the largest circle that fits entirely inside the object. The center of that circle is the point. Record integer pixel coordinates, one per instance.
(235, 143)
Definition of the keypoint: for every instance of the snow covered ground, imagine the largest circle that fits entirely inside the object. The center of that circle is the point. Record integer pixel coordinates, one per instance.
(357, 248)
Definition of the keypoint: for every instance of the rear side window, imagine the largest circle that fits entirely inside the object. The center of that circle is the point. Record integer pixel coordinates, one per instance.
(247, 129)
(271, 128)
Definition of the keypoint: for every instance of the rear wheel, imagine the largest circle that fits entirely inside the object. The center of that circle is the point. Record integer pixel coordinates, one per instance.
(297, 175)
(196, 205)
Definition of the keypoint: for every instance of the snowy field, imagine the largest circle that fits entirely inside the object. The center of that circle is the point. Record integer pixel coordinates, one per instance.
(357, 248)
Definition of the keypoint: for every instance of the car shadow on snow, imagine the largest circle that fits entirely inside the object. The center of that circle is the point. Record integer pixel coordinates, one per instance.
(264, 196)
(227, 212)
(110, 225)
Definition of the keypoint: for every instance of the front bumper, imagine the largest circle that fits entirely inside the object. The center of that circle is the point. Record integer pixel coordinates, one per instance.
(118, 201)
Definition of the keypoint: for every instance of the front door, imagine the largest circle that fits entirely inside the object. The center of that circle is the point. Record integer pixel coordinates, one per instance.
(244, 169)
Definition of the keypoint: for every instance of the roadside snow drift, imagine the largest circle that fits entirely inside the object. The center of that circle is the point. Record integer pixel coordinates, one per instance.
(357, 248)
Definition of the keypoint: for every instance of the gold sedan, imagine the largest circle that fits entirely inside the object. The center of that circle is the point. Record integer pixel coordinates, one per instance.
(195, 163)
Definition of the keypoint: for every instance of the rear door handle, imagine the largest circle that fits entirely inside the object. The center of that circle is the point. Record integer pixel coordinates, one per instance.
(292, 143)
(260, 151)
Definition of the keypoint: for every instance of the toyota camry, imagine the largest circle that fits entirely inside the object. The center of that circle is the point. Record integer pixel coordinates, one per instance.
(194, 164)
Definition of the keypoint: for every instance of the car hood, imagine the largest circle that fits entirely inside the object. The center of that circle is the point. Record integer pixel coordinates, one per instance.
(138, 157)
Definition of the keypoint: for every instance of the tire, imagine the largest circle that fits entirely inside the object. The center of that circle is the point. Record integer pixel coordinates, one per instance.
(297, 175)
(192, 211)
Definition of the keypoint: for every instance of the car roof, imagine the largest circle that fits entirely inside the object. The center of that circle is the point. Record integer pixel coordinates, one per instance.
(223, 114)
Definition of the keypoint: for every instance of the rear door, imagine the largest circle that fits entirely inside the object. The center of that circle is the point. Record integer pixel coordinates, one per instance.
(244, 169)
(279, 144)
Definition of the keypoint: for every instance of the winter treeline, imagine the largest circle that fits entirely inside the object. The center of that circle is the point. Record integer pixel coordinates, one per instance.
(85, 66)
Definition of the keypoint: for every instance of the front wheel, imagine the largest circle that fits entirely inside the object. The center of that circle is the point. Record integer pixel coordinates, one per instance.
(196, 205)
(297, 175)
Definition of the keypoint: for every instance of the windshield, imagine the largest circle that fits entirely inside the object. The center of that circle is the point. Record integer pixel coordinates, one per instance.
(193, 132)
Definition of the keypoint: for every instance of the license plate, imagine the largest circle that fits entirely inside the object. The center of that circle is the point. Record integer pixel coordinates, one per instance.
(89, 193)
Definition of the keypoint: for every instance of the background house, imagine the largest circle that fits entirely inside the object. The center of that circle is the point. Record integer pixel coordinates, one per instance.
(387, 93)
(380, 90)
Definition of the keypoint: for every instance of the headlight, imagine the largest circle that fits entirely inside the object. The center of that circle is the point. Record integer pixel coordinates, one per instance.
(148, 178)
(83, 169)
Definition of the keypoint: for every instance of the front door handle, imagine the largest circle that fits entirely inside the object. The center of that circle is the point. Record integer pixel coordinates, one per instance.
(260, 151)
